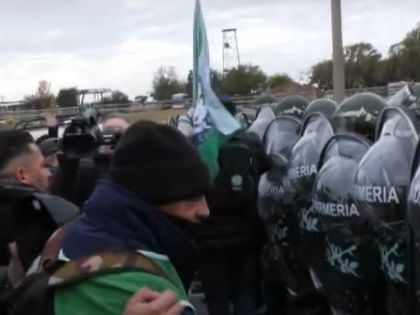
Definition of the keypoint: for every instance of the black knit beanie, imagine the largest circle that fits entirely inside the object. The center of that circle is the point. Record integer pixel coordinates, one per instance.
(159, 164)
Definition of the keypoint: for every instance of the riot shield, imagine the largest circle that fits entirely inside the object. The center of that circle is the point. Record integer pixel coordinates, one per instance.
(382, 181)
(263, 118)
(337, 264)
(413, 219)
(302, 170)
(273, 205)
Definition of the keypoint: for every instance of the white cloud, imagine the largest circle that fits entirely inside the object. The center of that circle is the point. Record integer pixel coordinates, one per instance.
(119, 44)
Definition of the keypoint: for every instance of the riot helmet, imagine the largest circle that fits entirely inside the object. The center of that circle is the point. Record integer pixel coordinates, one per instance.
(266, 100)
(291, 105)
(322, 105)
(382, 181)
(358, 114)
(263, 118)
(281, 135)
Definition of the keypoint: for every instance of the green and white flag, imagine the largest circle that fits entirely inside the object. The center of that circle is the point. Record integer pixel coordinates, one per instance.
(212, 123)
(207, 104)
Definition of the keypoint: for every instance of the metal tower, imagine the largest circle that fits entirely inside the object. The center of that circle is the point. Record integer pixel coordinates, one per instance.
(231, 57)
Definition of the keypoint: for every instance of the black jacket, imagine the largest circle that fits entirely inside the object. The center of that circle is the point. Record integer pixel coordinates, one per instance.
(234, 224)
(28, 218)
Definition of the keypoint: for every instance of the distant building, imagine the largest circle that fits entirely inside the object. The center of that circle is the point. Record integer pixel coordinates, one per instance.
(179, 100)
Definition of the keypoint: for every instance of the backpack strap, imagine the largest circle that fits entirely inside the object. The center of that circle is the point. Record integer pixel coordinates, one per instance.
(64, 272)
(51, 252)
(76, 271)
(35, 293)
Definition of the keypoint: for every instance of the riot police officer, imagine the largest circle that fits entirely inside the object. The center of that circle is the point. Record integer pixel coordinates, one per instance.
(413, 219)
(304, 159)
(382, 181)
(275, 211)
(338, 264)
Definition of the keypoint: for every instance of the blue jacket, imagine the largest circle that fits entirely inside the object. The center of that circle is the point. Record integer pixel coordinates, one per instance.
(116, 219)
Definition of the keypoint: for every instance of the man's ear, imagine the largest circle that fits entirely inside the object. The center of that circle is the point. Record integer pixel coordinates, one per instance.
(21, 176)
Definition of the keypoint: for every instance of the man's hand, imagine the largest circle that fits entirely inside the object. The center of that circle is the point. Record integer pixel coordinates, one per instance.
(148, 302)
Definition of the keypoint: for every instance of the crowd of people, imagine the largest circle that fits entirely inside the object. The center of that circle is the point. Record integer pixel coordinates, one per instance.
(312, 211)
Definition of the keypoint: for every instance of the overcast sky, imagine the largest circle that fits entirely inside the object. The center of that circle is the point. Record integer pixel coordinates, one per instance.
(119, 44)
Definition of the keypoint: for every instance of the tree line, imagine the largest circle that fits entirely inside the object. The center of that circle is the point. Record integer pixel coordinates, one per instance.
(242, 80)
(364, 67)
(66, 97)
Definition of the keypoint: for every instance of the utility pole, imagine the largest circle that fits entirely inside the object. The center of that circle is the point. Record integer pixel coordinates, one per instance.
(338, 56)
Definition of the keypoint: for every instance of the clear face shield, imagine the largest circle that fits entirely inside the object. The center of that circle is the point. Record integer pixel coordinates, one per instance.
(281, 135)
(264, 117)
(306, 153)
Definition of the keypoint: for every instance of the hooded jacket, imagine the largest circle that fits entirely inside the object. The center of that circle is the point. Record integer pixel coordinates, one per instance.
(115, 219)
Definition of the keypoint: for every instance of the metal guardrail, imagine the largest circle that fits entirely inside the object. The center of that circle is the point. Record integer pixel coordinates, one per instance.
(382, 91)
(241, 101)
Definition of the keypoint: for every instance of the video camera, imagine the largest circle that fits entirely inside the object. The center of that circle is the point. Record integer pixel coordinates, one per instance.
(85, 155)
(83, 136)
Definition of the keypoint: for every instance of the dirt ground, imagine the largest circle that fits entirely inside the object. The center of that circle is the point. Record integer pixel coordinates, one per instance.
(156, 116)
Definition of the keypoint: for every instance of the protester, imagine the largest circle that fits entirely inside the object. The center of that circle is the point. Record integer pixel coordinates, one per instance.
(156, 189)
(231, 238)
(22, 161)
(28, 215)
